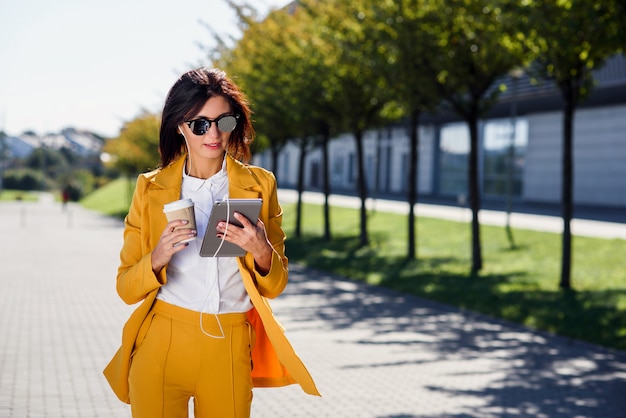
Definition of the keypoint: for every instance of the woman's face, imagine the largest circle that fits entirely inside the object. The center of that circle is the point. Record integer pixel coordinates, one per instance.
(211, 144)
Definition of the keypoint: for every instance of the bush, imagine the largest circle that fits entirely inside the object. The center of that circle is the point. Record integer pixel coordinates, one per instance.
(78, 183)
(23, 179)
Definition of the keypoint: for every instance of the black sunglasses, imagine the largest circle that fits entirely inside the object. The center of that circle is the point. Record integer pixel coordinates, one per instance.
(225, 123)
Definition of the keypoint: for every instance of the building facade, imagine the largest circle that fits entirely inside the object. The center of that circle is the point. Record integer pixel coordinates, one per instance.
(520, 153)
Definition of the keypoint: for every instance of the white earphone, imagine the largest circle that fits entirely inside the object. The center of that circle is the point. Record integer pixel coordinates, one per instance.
(180, 130)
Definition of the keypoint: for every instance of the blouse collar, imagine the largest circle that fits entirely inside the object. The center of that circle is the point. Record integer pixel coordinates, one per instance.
(216, 179)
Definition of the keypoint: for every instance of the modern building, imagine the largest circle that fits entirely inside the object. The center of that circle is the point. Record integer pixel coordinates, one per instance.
(520, 152)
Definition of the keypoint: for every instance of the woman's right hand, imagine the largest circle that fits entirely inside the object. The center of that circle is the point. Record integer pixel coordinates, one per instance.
(170, 243)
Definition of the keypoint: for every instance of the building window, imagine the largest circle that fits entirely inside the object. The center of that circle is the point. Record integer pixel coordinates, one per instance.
(352, 172)
(504, 157)
(315, 175)
(337, 172)
(453, 158)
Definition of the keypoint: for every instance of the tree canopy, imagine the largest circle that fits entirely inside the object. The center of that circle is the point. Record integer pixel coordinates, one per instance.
(136, 148)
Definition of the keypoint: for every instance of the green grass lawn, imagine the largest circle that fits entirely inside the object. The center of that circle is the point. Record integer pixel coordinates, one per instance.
(519, 284)
(113, 199)
(8, 195)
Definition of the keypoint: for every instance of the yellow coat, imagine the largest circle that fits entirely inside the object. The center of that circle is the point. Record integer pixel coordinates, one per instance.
(275, 362)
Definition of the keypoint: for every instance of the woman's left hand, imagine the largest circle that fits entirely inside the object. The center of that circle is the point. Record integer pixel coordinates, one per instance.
(250, 237)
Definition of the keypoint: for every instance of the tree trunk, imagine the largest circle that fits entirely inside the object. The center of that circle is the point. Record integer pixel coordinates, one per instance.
(412, 182)
(326, 184)
(474, 193)
(362, 187)
(275, 152)
(569, 95)
(300, 186)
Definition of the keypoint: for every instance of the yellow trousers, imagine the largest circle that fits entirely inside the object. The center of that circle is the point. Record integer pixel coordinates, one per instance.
(175, 360)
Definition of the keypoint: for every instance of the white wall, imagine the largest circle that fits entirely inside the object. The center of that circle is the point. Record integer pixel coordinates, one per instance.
(542, 174)
(599, 157)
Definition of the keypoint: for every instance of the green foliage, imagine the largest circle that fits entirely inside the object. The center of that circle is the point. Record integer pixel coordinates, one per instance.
(359, 63)
(51, 163)
(52, 169)
(516, 285)
(406, 48)
(574, 37)
(253, 64)
(78, 183)
(23, 179)
(356, 59)
(136, 149)
(474, 43)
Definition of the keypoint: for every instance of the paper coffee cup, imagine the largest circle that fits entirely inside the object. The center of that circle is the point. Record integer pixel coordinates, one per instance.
(181, 209)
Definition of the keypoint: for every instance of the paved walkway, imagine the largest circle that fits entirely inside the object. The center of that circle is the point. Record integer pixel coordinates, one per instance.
(374, 353)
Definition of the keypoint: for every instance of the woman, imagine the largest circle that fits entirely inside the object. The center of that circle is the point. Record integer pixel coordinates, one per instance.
(204, 329)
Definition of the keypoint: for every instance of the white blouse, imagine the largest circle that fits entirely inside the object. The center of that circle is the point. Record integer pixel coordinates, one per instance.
(205, 284)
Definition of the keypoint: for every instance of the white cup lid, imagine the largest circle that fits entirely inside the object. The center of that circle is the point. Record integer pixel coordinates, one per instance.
(178, 204)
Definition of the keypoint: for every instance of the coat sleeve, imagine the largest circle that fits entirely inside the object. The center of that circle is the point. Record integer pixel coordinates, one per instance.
(135, 278)
(273, 283)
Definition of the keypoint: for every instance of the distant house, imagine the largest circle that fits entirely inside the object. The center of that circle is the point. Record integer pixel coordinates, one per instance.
(83, 143)
(20, 146)
(520, 153)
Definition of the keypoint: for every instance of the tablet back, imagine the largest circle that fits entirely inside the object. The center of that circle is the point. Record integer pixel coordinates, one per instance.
(250, 208)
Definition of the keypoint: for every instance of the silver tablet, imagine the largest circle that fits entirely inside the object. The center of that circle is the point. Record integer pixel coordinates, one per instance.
(212, 246)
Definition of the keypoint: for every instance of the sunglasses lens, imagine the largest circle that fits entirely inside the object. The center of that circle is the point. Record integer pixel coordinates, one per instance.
(227, 123)
(200, 126)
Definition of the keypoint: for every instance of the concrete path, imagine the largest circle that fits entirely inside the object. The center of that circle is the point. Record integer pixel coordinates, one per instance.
(373, 352)
(537, 222)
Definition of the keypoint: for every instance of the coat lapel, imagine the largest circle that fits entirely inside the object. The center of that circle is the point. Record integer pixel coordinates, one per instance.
(166, 186)
(242, 183)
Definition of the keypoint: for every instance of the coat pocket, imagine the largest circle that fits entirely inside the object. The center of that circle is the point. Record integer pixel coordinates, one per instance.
(143, 331)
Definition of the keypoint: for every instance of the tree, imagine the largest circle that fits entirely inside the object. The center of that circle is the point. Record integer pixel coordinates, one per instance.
(476, 42)
(278, 97)
(316, 102)
(357, 82)
(575, 37)
(412, 86)
(136, 148)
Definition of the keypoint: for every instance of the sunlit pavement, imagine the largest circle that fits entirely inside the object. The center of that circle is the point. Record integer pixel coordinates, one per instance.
(373, 352)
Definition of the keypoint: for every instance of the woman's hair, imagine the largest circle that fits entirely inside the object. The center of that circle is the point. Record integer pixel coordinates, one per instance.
(187, 96)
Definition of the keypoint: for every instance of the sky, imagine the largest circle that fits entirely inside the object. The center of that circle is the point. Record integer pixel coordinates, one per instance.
(94, 65)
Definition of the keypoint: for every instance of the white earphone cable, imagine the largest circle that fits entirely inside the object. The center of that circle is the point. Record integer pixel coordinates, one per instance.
(217, 278)
(214, 255)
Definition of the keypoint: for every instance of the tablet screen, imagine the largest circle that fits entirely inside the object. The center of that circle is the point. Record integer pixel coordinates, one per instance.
(212, 246)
